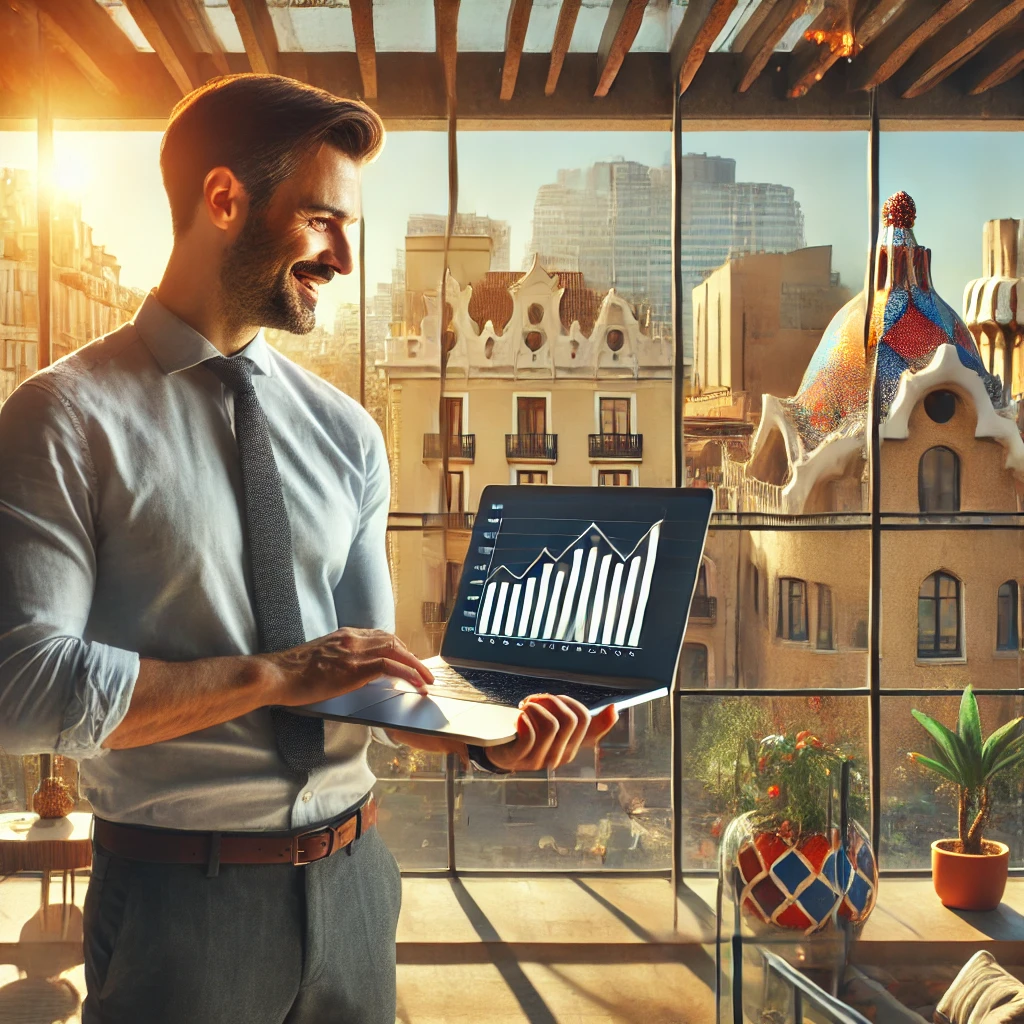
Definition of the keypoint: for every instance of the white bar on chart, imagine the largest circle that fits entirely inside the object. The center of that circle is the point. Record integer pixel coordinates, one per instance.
(645, 585)
(613, 604)
(513, 607)
(568, 602)
(538, 615)
(499, 608)
(524, 622)
(485, 613)
(627, 600)
(599, 592)
(584, 602)
(549, 623)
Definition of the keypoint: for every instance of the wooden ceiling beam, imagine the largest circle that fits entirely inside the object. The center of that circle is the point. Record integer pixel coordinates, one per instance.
(19, 34)
(204, 40)
(92, 41)
(560, 45)
(955, 43)
(620, 29)
(446, 39)
(701, 26)
(366, 45)
(256, 28)
(759, 50)
(872, 16)
(902, 37)
(159, 24)
(515, 36)
(997, 63)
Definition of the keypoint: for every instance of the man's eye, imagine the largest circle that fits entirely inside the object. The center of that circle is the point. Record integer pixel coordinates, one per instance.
(320, 223)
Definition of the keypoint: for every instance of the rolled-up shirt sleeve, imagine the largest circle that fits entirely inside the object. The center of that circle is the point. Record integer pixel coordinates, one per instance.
(59, 692)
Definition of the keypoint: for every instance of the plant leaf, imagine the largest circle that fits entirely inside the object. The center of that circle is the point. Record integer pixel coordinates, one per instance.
(968, 726)
(998, 741)
(948, 746)
(1012, 755)
(936, 766)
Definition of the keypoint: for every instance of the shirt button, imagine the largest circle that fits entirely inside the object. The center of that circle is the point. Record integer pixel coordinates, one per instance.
(306, 797)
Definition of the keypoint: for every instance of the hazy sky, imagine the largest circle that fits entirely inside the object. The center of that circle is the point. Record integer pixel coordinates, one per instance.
(959, 180)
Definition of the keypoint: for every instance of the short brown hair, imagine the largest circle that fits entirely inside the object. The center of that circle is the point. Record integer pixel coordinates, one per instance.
(261, 127)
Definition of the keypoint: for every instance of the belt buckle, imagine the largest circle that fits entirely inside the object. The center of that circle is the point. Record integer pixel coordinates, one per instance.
(298, 857)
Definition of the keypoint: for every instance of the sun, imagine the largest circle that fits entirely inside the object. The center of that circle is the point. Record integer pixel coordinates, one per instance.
(71, 174)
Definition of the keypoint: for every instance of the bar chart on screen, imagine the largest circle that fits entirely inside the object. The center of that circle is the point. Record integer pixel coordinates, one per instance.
(588, 592)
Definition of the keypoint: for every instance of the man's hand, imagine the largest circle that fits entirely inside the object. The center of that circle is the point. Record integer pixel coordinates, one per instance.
(343, 661)
(550, 732)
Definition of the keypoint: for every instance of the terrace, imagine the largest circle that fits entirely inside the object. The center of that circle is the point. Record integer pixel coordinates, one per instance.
(810, 614)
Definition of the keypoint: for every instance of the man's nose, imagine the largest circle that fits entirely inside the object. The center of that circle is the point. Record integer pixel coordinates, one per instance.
(339, 256)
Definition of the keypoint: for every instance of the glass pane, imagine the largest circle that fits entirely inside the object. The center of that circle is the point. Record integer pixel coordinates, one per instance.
(312, 28)
(406, 25)
(223, 23)
(917, 806)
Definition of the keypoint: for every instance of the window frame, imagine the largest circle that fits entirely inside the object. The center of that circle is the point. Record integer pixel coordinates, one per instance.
(1012, 643)
(937, 653)
(788, 587)
(926, 493)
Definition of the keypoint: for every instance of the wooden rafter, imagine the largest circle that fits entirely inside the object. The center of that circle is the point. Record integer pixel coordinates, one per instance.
(749, 22)
(91, 40)
(446, 39)
(955, 43)
(701, 25)
(624, 19)
(998, 62)
(256, 28)
(159, 24)
(515, 36)
(902, 37)
(197, 23)
(759, 50)
(366, 45)
(18, 34)
(560, 45)
(873, 17)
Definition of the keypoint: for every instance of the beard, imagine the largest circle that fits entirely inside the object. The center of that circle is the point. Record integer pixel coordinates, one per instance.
(257, 283)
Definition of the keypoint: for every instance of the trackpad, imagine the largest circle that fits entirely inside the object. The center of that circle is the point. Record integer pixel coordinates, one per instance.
(350, 703)
(411, 711)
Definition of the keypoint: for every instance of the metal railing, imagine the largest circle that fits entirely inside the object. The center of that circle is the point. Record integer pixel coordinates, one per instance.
(451, 520)
(704, 607)
(460, 446)
(532, 446)
(616, 446)
(437, 612)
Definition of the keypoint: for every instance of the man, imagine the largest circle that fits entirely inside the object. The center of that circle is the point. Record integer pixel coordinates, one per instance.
(191, 541)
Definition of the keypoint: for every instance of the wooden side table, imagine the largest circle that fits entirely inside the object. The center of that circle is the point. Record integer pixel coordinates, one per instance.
(31, 843)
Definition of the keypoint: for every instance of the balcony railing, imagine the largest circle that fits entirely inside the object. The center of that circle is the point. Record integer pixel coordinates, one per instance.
(543, 447)
(616, 446)
(436, 612)
(451, 520)
(460, 446)
(704, 608)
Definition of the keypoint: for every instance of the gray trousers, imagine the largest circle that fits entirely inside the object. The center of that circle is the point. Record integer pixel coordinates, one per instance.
(257, 944)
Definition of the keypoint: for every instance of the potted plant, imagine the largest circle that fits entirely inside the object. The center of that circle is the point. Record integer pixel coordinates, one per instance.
(793, 866)
(969, 873)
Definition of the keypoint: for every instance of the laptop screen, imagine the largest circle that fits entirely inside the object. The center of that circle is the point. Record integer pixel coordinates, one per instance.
(585, 580)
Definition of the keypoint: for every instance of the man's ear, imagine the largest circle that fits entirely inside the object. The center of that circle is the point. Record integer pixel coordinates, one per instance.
(225, 200)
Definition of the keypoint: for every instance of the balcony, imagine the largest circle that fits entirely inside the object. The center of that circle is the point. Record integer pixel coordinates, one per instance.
(461, 447)
(535, 447)
(436, 613)
(448, 520)
(704, 608)
(617, 446)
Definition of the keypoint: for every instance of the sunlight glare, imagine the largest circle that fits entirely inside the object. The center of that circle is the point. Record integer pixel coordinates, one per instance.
(72, 175)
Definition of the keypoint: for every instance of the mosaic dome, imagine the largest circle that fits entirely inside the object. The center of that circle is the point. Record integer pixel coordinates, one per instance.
(909, 322)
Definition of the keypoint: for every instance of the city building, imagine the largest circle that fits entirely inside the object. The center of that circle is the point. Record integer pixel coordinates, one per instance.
(87, 298)
(498, 231)
(611, 223)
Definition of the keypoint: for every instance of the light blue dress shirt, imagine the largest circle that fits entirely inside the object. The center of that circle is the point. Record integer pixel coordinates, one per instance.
(121, 536)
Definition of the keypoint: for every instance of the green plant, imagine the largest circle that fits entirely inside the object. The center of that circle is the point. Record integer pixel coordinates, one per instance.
(971, 764)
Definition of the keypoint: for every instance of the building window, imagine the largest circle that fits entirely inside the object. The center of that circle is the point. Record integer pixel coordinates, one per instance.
(1006, 617)
(535, 313)
(531, 476)
(756, 581)
(614, 415)
(940, 406)
(824, 640)
(693, 667)
(452, 416)
(531, 415)
(792, 624)
(534, 340)
(938, 481)
(456, 497)
(615, 478)
(615, 339)
(938, 617)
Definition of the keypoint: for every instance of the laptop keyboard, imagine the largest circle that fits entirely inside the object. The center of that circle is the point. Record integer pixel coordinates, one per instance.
(488, 687)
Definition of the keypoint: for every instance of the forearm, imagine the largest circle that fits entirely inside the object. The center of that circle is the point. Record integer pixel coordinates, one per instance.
(171, 699)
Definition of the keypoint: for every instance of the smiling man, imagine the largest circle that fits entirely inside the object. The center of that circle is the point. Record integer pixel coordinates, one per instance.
(192, 541)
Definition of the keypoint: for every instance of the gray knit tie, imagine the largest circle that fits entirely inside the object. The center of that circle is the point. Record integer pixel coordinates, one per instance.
(300, 739)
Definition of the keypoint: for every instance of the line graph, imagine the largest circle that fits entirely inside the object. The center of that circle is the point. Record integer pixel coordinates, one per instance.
(590, 592)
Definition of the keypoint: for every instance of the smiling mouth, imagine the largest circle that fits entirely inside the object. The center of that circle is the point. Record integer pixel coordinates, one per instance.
(308, 286)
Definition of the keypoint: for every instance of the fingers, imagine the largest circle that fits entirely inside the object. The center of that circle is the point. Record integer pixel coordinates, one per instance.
(601, 724)
(382, 644)
(573, 720)
(396, 669)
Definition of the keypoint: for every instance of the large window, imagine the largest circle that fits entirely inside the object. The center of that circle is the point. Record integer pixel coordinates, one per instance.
(792, 618)
(614, 415)
(938, 617)
(615, 478)
(1006, 617)
(938, 481)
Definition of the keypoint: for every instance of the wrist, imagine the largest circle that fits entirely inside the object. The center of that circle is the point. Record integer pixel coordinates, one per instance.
(480, 758)
(264, 677)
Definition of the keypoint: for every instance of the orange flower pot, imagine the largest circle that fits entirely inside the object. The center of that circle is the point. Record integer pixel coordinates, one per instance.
(970, 881)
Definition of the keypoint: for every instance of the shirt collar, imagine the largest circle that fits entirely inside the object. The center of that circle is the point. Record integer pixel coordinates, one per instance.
(176, 346)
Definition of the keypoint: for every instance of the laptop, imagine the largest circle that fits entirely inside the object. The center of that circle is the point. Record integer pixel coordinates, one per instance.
(575, 591)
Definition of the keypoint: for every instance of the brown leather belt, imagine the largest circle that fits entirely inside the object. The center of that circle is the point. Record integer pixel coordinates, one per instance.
(168, 846)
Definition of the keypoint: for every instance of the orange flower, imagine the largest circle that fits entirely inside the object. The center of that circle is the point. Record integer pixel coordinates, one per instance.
(787, 757)
(760, 764)
(802, 735)
(773, 792)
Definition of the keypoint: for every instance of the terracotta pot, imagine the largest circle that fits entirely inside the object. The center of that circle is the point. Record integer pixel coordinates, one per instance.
(970, 881)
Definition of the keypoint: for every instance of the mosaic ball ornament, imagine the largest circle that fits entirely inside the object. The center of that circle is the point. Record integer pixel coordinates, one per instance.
(909, 321)
(801, 884)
